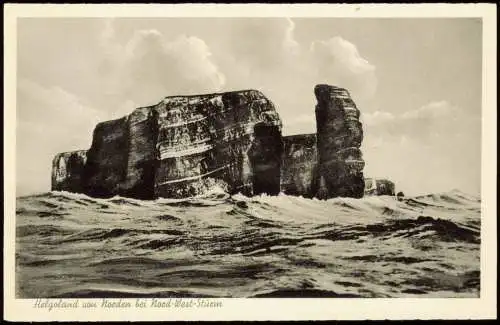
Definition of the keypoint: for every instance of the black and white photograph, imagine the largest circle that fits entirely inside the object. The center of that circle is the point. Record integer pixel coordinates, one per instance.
(182, 159)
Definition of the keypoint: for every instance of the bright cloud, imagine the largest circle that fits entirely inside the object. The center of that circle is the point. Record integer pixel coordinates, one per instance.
(149, 67)
(338, 61)
(435, 119)
(49, 120)
(263, 44)
(437, 139)
(431, 111)
(265, 54)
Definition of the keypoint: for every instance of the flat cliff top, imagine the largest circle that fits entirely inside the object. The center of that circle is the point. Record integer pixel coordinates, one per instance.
(107, 123)
(327, 87)
(324, 90)
(241, 91)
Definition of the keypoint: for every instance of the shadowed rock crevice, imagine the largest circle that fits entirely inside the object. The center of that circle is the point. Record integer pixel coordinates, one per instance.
(265, 159)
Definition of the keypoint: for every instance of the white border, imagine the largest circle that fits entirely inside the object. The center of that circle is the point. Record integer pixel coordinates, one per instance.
(270, 308)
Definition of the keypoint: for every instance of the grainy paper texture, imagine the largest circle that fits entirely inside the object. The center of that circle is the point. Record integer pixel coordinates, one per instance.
(422, 76)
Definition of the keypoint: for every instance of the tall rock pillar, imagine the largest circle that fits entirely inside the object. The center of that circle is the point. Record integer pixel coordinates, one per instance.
(339, 136)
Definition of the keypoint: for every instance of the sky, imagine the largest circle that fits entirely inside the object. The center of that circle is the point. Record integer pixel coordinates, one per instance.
(417, 83)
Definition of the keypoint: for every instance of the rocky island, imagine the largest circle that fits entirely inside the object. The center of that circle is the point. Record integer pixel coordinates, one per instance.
(184, 145)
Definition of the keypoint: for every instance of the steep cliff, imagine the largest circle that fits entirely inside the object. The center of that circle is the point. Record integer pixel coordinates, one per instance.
(339, 134)
(299, 164)
(185, 145)
(106, 167)
(67, 171)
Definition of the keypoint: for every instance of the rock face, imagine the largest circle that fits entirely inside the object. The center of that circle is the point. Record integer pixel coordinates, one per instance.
(379, 187)
(339, 133)
(233, 139)
(105, 171)
(299, 164)
(185, 145)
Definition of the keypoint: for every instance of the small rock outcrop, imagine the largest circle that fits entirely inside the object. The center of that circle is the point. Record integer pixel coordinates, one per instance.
(379, 187)
(185, 145)
(68, 170)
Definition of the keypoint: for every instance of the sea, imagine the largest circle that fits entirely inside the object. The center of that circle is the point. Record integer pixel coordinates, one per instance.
(218, 245)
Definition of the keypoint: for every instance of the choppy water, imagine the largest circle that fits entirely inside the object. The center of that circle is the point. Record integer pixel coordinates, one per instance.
(71, 245)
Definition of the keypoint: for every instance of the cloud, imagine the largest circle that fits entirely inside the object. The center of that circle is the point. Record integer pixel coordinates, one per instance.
(265, 54)
(338, 61)
(377, 118)
(148, 67)
(54, 106)
(344, 53)
(264, 44)
(49, 120)
(431, 111)
(435, 147)
(435, 119)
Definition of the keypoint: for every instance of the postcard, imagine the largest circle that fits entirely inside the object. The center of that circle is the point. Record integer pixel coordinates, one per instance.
(249, 162)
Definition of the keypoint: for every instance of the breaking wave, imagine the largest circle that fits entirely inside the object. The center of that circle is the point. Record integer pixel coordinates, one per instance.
(217, 245)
